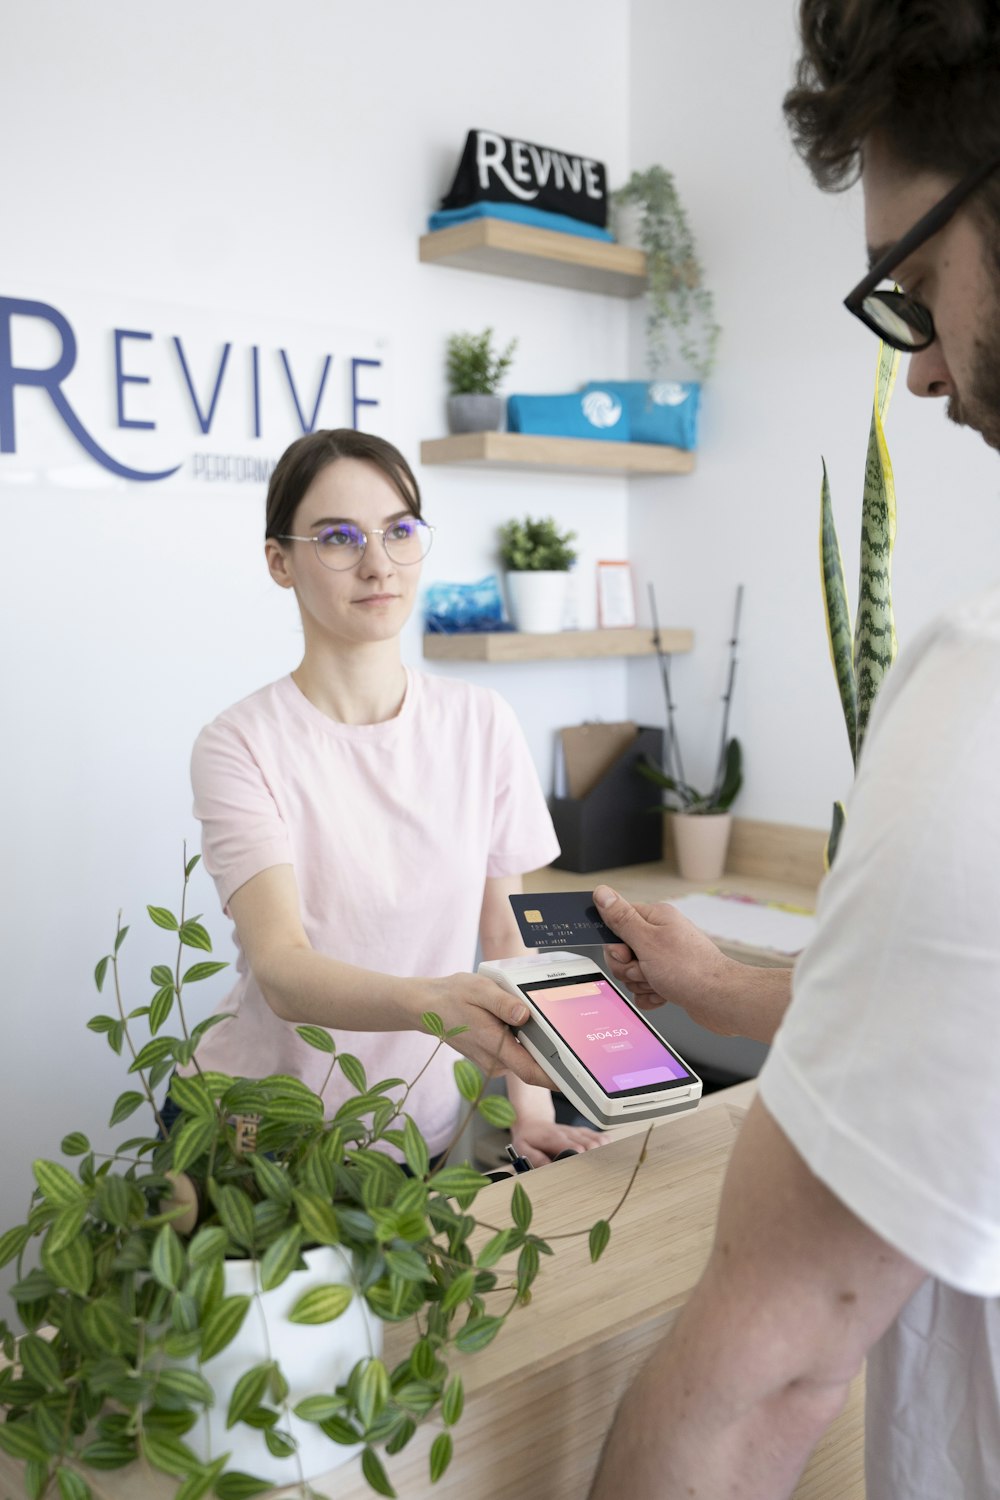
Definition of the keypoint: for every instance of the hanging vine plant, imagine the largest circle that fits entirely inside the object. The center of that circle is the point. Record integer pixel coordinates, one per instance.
(681, 317)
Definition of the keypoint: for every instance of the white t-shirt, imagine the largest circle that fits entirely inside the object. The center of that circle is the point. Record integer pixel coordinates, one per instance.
(885, 1074)
(392, 830)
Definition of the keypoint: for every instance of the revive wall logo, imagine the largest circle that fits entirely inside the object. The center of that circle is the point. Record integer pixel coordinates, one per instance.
(153, 395)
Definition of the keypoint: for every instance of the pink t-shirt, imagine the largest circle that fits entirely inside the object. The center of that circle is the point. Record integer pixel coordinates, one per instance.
(392, 830)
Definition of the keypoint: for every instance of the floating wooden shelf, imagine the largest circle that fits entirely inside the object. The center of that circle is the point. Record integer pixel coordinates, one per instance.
(502, 248)
(511, 645)
(521, 450)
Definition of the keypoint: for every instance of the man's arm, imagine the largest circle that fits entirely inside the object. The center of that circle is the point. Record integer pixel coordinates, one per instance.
(669, 959)
(759, 1362)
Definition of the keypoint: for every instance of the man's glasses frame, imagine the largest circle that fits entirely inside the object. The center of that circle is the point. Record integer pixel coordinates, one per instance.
(426, 531)
(905, 323)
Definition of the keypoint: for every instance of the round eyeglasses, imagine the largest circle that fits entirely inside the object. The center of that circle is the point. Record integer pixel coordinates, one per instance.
(342, 545)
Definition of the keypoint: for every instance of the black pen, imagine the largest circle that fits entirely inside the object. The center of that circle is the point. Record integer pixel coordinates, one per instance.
(520, 1163)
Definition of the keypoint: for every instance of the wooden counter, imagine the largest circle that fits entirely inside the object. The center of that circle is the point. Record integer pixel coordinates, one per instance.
(540, 1399)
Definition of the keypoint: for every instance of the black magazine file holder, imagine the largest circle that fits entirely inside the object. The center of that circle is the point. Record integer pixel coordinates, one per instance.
(613, 824)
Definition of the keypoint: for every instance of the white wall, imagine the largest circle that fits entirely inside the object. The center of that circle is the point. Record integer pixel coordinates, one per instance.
(256, 162)
(794, 381)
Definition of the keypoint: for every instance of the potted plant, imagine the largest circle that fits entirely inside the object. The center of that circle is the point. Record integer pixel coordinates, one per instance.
(209, 1299)
(681, 311)
(700, 821)
(475, 370)
(537, 557)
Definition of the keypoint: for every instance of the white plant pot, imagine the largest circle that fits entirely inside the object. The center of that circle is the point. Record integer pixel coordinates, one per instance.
(701, 841)
(314, 1358)
(537, 601)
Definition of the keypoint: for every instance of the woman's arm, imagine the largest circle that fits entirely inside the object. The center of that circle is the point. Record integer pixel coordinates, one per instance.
(303, 986)
(535, 1133)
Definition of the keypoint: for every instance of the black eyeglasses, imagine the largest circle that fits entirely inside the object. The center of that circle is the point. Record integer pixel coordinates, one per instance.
(899, 319)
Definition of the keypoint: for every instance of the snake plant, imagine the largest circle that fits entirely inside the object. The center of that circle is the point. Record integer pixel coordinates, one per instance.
(862, 658)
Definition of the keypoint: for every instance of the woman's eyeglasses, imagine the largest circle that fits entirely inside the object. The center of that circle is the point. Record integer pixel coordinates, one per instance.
(901, 320)
(342, 546)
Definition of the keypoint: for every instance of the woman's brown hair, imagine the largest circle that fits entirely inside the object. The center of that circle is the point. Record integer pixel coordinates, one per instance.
(307, 456)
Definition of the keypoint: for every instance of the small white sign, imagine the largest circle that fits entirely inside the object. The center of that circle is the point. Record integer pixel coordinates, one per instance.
(615, 594)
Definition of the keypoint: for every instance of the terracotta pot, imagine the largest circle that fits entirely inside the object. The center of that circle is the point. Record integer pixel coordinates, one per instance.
(700, 843)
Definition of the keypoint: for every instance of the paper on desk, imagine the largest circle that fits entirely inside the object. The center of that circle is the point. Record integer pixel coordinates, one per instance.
(742, 920)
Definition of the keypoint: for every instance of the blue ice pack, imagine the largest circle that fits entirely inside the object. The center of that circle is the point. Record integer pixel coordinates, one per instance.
(659, 411)
(596, 412)
(452, 608)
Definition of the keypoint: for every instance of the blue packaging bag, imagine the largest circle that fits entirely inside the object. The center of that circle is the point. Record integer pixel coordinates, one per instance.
(597, 412)
(452, 608)
(659, 411)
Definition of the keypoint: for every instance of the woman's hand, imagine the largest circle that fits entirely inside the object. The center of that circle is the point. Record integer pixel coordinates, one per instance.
(540, 1141)
(487, 1012)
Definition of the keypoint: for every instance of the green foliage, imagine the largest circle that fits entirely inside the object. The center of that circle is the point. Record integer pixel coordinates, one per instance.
(681, 309)
(130, 1246)
(535, 546)
(474, 367)
(680, 797)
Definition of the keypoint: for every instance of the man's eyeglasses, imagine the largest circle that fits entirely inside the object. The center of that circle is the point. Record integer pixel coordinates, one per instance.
(899, 319)
(342, 546)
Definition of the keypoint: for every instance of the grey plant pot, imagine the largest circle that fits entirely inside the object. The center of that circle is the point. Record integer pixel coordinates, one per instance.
(475, 413)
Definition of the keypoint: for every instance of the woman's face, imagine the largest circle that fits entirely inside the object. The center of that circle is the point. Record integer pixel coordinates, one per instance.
(370, 601)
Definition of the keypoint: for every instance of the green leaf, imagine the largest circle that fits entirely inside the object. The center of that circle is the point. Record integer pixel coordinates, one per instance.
(290, 1109)
(415, 1149)
(13, 1242)
(600, 1234)
(100, 1023)
(20, 1440)
(239, 1486)
(73, 1486)
(453, 1400)
(477, 1333)
(527, 1267)
(497, 1111)
(279, 1444)
(353, 1071)
(108, 1453)
(321, 1304)
(193, 935)
(318, 1408)
(432, 1023)
(192, 1140)
(40, 1363)
(161, 976)
(185, 1386)
(120, 937)
(153, 1052)
(836, 829)
(222, 1326)
(198, 1484)
(160, 1007)
(191, 1095)
(236, 1214)
(202, 971)
(315, 1036)
(272, 1181)
(339, 1430)
(57, 1183)
(75, 1144)
(457, 1181)
(114, 1200)
(168, 1453)
(248, 1393)
(72, 1267)
(459, 1290)
(125, 1105)
(67, 1225)
(469, 1080)
(163, 918)
(408, 1265)
(318, 1219)
(372, 1390)
(493, 1250)
(192, 862)
(374, 1471)
(281, 1258)
(520, 1207)
(101, 970)
(166, 1262)
(207, 1244)
(441, 1450)
(116, 1035)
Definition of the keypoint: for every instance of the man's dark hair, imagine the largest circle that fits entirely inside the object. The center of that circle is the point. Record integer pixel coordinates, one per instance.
(307, 456)
(922, 75)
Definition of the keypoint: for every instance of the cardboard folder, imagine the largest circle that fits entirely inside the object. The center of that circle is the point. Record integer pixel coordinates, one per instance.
(611, 823)
(590, 750)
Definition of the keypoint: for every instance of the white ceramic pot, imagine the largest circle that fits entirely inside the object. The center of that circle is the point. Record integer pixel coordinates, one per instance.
(314, 1358)
(701, 841)
(537, 601)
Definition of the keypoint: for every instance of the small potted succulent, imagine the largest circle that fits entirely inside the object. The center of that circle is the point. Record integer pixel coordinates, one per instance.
(207, 1299)
(475, 369)
(537, 557)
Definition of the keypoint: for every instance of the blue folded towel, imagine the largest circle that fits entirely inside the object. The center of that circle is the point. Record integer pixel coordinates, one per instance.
(659, 411)
(594, 413)
(520, 214)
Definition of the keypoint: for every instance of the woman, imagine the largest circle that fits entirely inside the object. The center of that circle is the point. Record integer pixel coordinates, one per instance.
(362, 821)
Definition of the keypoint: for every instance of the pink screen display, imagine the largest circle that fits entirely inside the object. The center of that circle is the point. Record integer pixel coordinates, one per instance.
(619, 1049)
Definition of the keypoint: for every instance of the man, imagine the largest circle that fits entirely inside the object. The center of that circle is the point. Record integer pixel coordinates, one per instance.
(861, 1213)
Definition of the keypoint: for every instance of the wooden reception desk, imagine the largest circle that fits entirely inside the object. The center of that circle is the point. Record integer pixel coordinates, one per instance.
(540, 1399)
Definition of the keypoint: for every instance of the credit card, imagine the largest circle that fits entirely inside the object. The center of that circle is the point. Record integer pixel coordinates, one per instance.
(560, 919)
